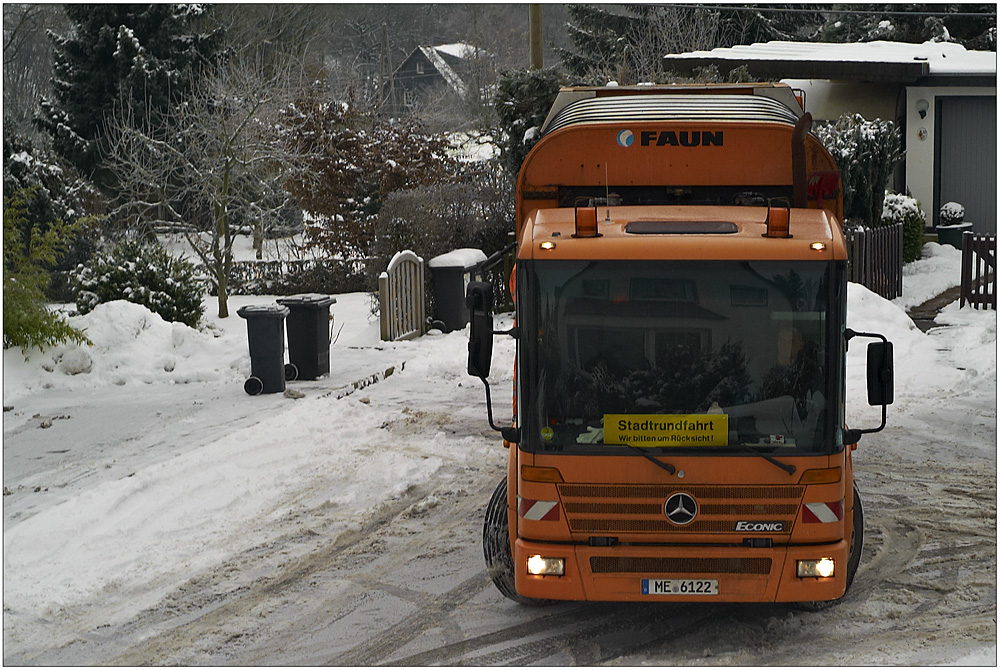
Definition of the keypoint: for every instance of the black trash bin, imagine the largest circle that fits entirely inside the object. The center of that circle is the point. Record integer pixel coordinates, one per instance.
(266, 336)
(449, 277)
(308, 326)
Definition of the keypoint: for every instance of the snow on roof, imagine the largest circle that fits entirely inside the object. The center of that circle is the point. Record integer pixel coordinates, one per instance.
(458, 49)
(446, 71)
(942, 58)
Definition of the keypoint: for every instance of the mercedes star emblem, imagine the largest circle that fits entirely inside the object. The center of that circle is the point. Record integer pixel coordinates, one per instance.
(681, 509)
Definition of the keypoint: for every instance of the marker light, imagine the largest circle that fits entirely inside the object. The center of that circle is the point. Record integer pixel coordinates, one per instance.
(822, 567)
(547, 245)
(540, 565)
(818, 246)
(531, 473)
(586, 222)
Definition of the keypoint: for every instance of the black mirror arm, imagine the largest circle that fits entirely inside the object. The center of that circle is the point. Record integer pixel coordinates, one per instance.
(514, 332)
(510, 433)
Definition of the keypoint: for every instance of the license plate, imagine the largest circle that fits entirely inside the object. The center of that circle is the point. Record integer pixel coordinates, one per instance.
(680, 587)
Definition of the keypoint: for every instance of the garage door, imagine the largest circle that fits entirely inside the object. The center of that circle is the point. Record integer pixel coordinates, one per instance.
(966, 158)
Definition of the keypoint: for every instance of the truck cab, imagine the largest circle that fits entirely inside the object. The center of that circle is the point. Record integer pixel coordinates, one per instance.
(679, 430)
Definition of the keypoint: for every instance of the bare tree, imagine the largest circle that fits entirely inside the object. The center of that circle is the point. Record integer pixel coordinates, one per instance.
(220, 162)
(27, 62)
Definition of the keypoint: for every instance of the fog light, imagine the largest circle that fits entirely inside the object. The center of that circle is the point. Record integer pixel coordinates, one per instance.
(540, 565)
(822, 567)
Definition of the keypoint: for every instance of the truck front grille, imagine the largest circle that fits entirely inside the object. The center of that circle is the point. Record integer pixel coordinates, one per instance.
(638, 508)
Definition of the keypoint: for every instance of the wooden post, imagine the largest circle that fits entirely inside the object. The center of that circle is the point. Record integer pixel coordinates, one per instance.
(535, 36)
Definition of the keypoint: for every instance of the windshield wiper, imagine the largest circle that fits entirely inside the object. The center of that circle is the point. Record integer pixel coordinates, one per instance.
(790, 469)
(666, 466)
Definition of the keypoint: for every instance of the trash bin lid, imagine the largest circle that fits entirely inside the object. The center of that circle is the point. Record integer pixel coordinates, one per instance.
(317, 300)
(263, 311)
(459, 258)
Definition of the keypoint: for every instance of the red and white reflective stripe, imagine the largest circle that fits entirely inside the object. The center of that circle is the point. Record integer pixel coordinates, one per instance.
(537, 510)
(823, 512)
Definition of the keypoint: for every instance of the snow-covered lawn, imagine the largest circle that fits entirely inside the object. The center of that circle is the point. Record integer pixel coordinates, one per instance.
(134, 464)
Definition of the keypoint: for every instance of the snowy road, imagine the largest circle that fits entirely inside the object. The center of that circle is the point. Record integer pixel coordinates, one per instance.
(163, 523)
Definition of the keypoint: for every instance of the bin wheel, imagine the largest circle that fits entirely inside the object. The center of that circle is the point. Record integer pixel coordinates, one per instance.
(253, 386)
(291, 372)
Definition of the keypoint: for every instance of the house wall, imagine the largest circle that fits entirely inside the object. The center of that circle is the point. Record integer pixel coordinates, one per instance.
(920, 173)
(828, 100)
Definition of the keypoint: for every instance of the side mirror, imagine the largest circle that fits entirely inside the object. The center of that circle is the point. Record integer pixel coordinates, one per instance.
(880, 373)
(479, 299)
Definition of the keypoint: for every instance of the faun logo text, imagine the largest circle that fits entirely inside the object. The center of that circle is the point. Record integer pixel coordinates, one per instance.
(673, 138)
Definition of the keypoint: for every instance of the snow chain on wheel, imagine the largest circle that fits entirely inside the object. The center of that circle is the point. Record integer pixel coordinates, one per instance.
(496, 547)
(857, 538)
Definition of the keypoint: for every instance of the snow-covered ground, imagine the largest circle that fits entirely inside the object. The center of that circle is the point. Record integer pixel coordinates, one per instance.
(137, 473)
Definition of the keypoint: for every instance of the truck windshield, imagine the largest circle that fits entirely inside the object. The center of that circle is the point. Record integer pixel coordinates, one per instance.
(687, 356)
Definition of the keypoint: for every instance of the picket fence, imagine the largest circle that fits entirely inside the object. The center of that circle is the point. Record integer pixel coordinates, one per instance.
(875, 259)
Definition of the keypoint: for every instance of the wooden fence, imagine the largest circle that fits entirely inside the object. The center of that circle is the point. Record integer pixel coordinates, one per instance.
(401, 297)
(875, 259)
(979, 271)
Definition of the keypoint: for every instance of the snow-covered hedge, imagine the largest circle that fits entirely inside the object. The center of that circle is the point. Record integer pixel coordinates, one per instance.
(899, 208)
(143, 274)
(866, 153)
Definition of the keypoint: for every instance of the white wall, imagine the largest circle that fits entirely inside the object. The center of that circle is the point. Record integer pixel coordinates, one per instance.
(920, 138)
(828, 100)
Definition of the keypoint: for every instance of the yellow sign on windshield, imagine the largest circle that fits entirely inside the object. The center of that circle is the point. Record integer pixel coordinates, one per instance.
(667, 430)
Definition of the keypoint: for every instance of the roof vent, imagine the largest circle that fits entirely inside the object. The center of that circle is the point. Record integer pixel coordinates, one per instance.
(681, 227)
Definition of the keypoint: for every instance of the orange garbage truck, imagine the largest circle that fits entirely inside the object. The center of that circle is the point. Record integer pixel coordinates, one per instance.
(679, 431)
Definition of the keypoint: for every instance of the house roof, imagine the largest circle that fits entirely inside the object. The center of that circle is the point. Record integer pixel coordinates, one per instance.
(896, 62)
(441, 65)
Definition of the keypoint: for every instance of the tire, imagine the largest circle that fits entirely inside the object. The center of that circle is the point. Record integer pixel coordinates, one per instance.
(291, 372)
(496, 547)
(253, 386)
(857, 539)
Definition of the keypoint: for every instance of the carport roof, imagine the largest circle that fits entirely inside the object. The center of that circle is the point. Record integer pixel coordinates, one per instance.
(896, 62)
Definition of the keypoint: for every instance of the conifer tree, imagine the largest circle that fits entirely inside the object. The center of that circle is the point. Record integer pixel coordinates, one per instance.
(137, 57)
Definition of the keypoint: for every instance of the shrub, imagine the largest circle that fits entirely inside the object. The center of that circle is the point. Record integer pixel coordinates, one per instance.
(27, 250)
(866, 152)
(143, 274)
(899, 208)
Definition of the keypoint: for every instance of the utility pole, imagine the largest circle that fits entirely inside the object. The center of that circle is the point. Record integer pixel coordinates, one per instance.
(535, 36)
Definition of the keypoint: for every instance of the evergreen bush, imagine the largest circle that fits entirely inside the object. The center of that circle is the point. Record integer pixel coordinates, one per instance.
(866, 152)
(899, 208)
(27, 252)
(143, 274)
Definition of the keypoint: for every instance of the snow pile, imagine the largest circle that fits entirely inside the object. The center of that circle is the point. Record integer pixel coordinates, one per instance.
(130, 345)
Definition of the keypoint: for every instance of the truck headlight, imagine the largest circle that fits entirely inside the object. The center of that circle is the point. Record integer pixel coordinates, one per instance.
(820, 567)
(541, 565)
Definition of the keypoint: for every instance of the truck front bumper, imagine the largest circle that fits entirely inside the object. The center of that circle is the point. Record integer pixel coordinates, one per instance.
(744, 574)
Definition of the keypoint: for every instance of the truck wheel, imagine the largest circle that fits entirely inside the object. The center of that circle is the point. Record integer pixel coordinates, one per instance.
(853, 559)
(496, 547)
(857, 538)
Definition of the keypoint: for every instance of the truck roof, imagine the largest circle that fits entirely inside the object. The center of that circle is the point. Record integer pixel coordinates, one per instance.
(682, 233)
(698, 100)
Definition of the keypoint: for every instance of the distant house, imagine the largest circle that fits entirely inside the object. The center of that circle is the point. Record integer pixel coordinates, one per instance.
(447, 68)
(940, 94)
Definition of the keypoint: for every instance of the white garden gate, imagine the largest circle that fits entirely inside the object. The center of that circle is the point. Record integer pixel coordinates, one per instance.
(401, 297)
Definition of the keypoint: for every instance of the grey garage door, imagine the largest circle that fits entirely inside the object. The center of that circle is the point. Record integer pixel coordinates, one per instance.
(966, 158)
